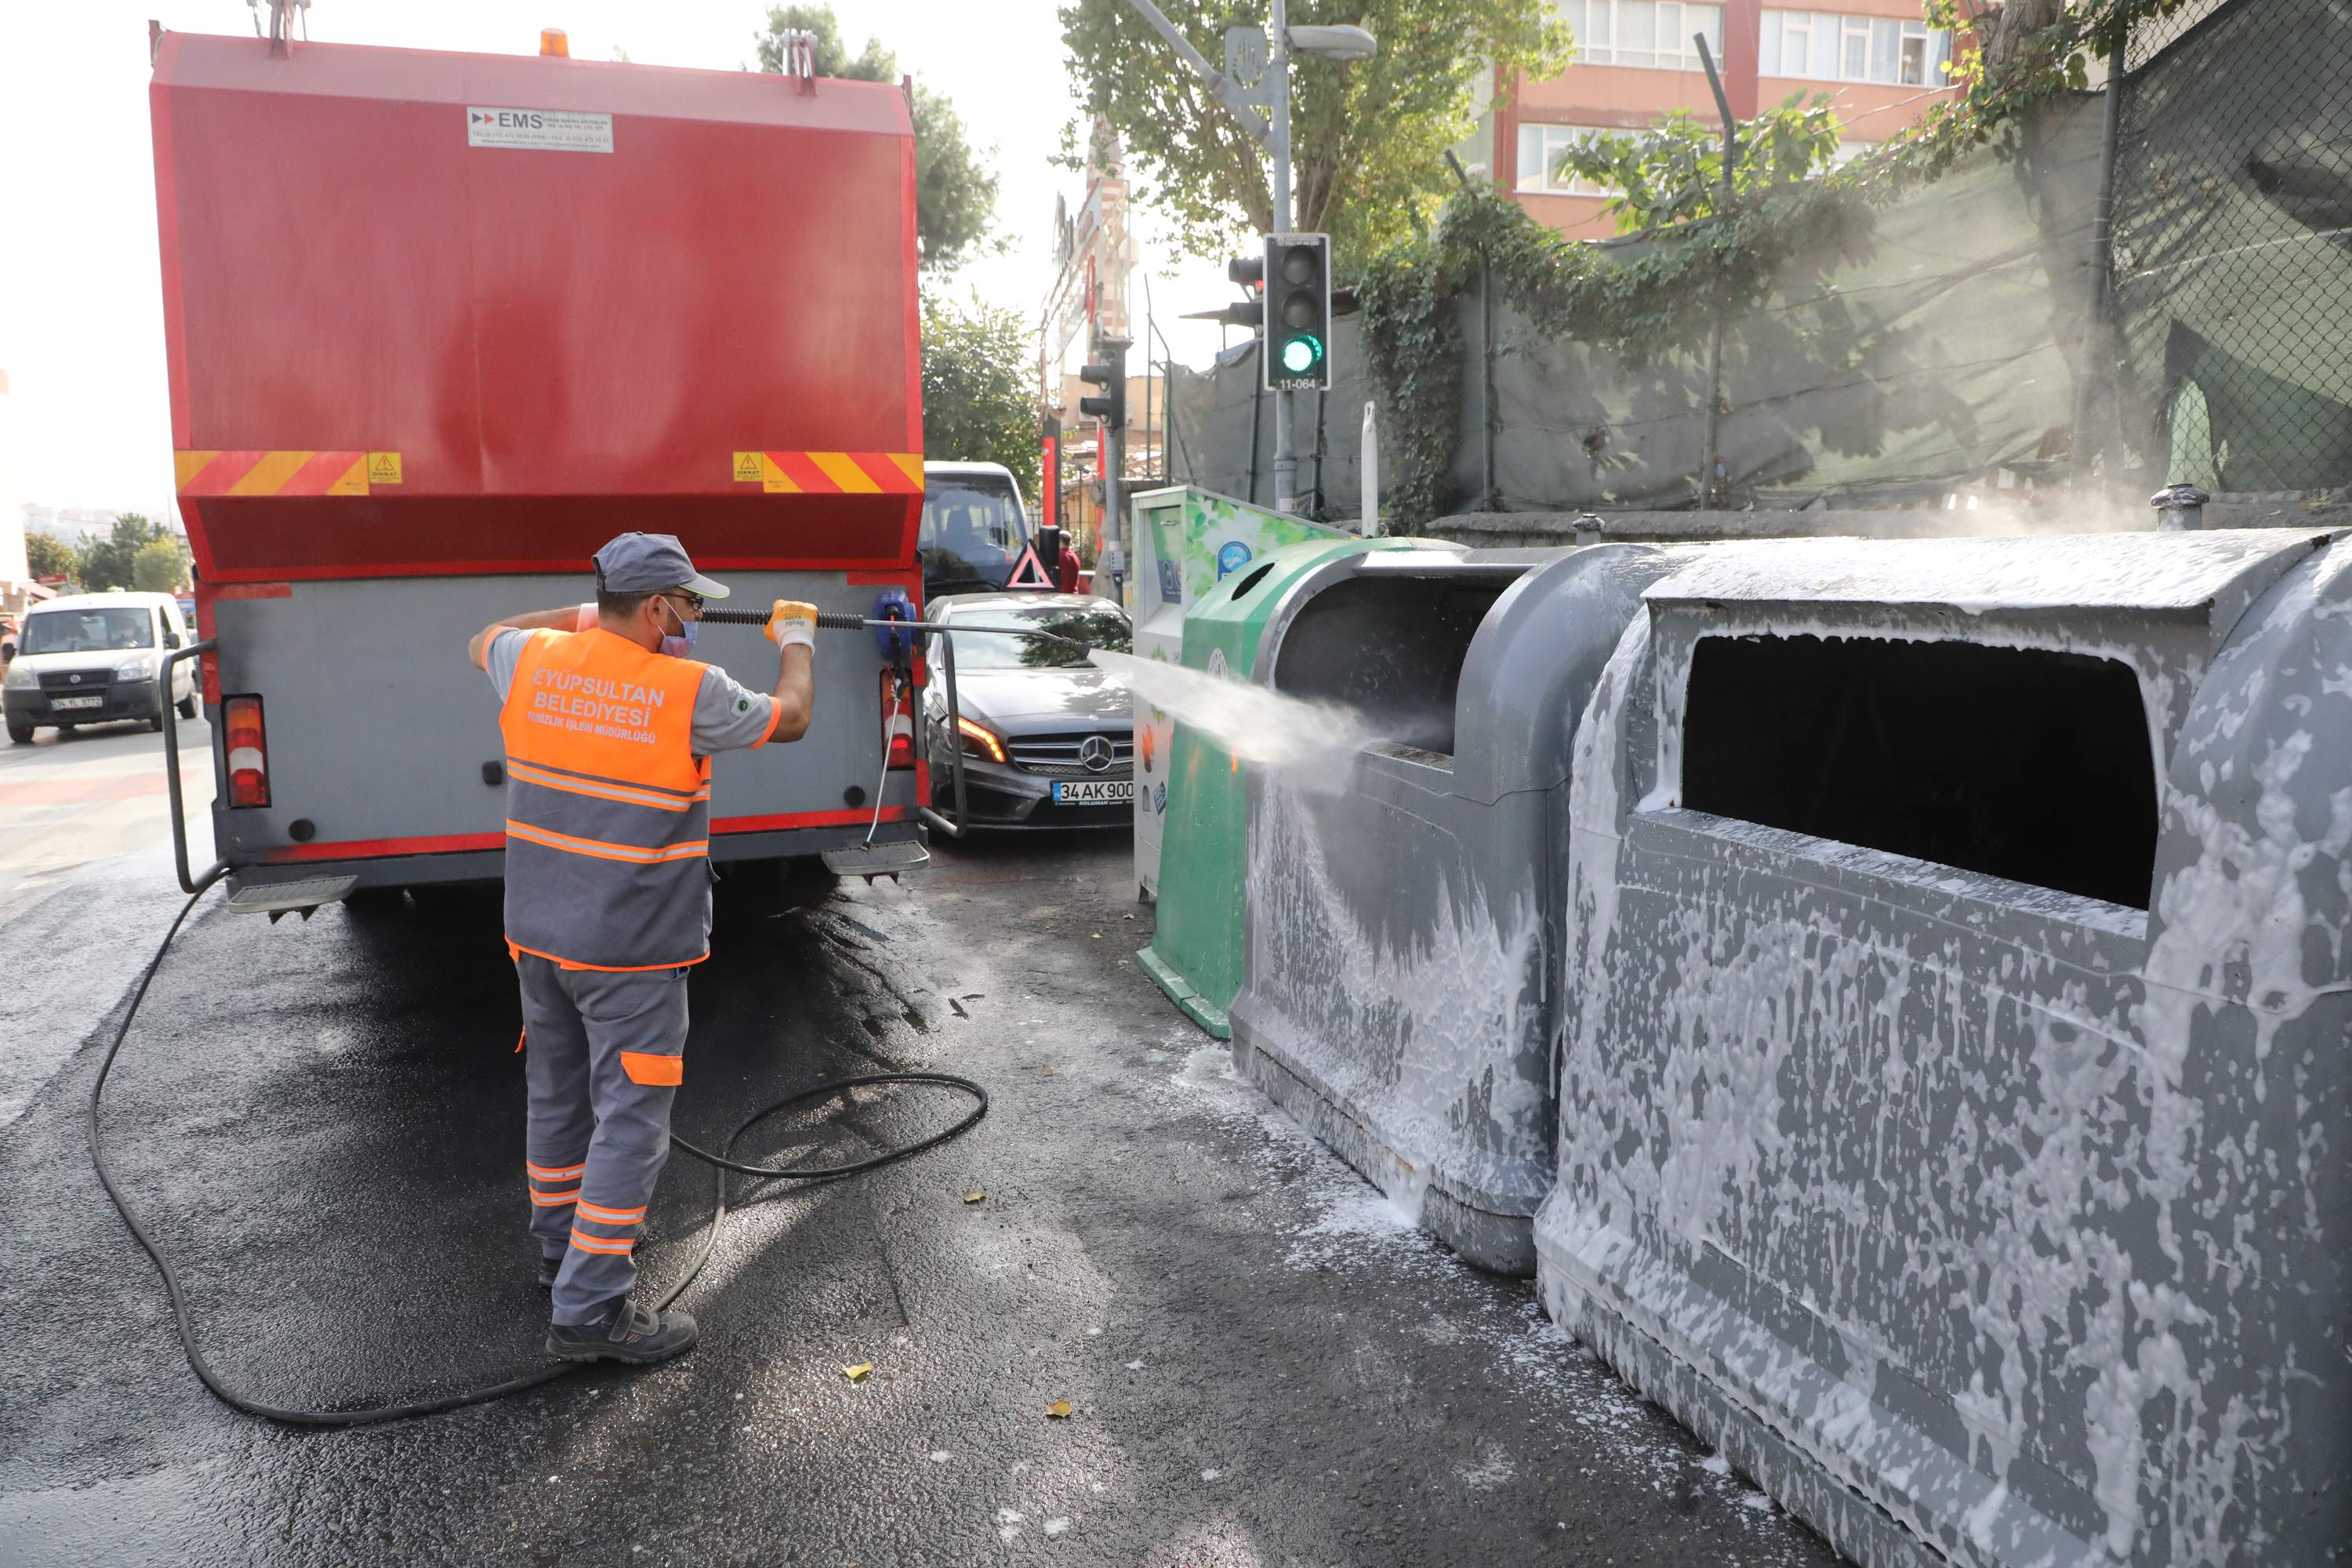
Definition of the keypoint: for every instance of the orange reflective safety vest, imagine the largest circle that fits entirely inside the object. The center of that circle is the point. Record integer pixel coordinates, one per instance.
(608, 808)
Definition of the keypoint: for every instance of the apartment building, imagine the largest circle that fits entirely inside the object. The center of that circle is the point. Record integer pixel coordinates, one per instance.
(1881, 66)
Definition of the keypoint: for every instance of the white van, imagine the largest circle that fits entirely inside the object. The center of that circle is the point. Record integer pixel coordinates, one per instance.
(92, 658)
(974, 528)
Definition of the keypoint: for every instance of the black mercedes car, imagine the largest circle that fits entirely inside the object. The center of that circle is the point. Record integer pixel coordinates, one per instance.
(1048, 740)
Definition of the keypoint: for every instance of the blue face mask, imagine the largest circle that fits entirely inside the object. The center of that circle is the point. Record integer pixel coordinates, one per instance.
(683, 644)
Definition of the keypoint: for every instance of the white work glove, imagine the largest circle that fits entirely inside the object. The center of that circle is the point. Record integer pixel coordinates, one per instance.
(793, 624)
(587, 621)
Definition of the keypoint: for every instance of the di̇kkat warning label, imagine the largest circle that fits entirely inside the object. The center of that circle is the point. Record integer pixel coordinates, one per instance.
(539, 129)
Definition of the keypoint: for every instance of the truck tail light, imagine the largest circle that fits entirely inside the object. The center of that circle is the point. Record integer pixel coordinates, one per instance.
(898, 713)
(249, 751)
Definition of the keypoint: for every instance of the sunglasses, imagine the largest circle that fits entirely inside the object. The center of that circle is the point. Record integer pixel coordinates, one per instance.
(693, 600)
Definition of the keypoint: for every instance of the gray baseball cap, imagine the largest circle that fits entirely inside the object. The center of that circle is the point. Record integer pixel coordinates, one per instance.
(651, 563)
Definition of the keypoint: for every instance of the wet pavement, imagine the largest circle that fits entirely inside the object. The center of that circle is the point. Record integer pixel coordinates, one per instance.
(1265, 1364)
(73, 796)
(85, 867)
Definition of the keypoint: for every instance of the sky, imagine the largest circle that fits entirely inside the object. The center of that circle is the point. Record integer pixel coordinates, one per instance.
(81, 319)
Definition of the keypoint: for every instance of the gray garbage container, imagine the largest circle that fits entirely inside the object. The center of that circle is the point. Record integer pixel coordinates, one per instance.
(1401, 915)
(1953, 1088)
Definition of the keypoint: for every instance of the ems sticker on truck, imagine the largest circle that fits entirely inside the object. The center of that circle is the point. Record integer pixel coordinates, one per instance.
(542, 130)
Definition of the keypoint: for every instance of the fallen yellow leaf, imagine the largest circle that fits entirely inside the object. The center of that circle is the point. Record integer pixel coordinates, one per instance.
(1059, 1410)
(857, 1373)
(974, 1197)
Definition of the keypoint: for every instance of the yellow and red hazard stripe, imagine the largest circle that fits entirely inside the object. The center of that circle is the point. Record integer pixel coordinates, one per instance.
(831, 473)
(224, 473)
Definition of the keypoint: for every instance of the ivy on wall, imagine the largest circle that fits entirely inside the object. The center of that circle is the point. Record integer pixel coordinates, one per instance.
(1639, 308)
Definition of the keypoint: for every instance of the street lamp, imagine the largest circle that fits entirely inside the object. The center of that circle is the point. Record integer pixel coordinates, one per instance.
(1340, 43)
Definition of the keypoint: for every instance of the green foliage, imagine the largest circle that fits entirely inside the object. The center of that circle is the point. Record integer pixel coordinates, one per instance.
(1368, 138)
(980, 401)
(955, 191)
(158, 567)
(103, 564)
(49, 557)
(1674, 172)
(2035, 49)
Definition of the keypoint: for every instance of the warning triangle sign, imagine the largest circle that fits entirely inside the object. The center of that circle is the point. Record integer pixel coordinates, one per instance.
(1030, 573)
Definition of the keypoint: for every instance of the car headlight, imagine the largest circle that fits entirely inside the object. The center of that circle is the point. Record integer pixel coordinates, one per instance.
(19, 676)
(134, 669)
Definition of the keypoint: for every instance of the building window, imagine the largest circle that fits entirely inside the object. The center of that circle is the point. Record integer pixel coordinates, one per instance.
(1656, 34)
(1540, 147)
(1824, 45)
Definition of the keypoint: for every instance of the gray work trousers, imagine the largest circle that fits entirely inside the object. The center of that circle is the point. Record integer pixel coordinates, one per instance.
(602, 1054)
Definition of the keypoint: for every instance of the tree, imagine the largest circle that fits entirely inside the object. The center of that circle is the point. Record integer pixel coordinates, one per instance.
(955, 194)
(157, 566)
(979, 403)
(103, 564)
(1674, 172)
(1367, 138)
(49, 557)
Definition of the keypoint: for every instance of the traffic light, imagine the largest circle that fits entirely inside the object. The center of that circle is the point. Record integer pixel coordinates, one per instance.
(1249, 271)
(1297, 272)
(1109, 373)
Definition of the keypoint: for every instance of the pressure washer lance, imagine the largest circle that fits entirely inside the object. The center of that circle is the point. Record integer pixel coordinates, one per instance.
(841, 622)
(893, 634)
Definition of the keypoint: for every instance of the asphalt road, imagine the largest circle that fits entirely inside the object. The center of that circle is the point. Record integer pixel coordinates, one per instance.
(72, 797)
(322, 1123)
(85, 865)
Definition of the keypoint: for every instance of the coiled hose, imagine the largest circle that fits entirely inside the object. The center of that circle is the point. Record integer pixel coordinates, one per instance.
(722, 1163)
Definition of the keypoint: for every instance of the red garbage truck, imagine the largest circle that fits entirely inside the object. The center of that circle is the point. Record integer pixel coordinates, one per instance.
(441, 324)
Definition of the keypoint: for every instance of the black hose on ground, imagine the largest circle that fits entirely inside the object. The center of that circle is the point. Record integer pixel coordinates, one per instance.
(721, 1164)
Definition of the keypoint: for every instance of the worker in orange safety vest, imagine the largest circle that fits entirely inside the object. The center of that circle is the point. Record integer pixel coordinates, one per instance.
(609, 731)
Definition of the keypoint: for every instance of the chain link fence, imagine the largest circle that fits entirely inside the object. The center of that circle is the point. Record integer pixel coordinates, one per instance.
(2233, 252)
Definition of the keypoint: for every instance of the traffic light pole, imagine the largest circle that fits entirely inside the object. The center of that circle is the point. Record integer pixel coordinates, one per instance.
(1109, 372)
(1277, 49)
(1274, 137)
(1114, 513)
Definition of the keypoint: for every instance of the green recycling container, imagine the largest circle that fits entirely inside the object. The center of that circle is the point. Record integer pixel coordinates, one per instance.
(1198, 952)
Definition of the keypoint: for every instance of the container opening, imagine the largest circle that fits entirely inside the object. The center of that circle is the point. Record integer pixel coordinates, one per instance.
(2013, 762)
(1391, 647)
(1253, 580)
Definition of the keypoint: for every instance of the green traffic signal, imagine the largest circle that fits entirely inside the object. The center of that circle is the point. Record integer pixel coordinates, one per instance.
(1301, 354)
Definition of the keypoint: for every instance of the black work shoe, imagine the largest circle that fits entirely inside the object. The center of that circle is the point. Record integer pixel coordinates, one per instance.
(548, 1270)
(636, 1335)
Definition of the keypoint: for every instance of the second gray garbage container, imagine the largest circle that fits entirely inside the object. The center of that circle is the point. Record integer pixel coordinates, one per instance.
(1402, 919)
